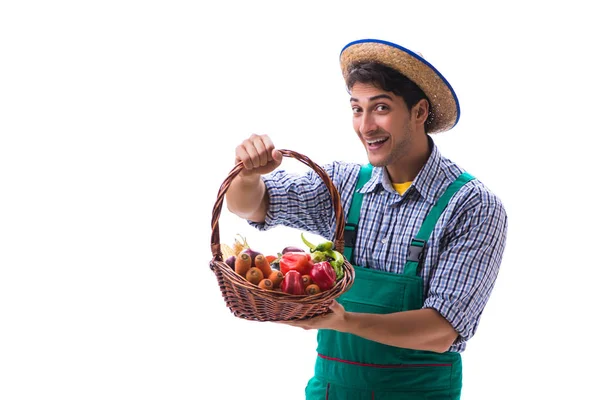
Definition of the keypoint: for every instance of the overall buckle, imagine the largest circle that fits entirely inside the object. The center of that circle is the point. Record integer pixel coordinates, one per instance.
(350, 235)
(415, 251)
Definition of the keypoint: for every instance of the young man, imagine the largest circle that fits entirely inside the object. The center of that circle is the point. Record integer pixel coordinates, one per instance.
(429, 237)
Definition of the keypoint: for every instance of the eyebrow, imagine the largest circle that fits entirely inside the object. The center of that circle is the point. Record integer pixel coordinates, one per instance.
(379, 96)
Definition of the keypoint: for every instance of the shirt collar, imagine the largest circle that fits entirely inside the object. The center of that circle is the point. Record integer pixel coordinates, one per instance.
(373, 183)
(427, 183)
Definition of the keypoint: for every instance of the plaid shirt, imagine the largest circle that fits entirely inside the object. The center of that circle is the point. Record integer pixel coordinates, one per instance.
(463, 254)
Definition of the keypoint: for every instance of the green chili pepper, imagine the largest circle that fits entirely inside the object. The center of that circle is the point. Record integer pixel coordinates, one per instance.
(337, 262)
(328, 245)
(311, 246)
(318, 256)
(325, 246)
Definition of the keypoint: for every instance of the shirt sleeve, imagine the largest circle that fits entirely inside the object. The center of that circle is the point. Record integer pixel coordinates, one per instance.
(302, 201)
(468, 264)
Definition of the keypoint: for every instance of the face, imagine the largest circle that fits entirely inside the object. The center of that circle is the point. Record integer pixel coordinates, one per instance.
(383, 123)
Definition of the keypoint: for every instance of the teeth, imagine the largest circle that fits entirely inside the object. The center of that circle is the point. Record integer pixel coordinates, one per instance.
(375, 141)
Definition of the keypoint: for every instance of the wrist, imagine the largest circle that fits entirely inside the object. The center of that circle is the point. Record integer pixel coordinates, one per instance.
(248, 179)
(348, 322)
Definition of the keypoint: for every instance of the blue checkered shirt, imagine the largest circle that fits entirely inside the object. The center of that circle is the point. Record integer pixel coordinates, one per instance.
(463, 254)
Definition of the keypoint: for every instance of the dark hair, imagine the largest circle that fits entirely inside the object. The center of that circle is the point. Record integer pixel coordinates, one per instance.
(390, 80)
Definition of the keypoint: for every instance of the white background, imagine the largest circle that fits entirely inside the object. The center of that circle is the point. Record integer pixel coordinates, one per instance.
(118, 123)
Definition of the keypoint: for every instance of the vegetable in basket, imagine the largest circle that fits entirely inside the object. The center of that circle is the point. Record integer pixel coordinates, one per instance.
(253, 254)
(328, 245)
(243, 263)
(292, 283)
(266, 284)
(323, 275)
(254, 275)
(337, 262)
(296, 261)
(312, 289)
(239, 245)
(318, 256)
(307, 280)
(292, 249)
(325, 252)
(231, 262)
(276, 277)
(260, 262)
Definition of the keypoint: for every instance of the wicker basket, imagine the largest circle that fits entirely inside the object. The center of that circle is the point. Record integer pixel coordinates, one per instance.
(246, 300)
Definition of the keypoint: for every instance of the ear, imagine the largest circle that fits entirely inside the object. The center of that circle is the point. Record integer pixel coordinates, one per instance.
(421, 111)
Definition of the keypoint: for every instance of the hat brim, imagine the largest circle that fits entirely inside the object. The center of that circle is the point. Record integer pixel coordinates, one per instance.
(442, 98)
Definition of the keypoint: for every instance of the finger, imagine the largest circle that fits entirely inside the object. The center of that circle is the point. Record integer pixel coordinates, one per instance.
(292, 324)
(304, 324)
(269, 146)
(336, 307)
(277, 156)
(241, 155)
(253, 157)
(263, 153)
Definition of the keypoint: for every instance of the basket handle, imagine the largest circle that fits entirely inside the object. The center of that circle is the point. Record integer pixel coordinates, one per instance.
(335, 196)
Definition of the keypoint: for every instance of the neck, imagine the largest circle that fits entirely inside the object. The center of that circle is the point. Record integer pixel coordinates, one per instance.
(406, 169)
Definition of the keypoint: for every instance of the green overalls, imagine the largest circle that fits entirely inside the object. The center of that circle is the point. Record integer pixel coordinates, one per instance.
(349, 367)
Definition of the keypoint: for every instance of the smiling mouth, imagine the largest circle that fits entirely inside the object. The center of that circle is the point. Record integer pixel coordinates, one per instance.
(376, 142)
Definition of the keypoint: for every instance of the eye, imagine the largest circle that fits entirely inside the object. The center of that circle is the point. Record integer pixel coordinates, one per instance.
(356, 110)
(381, 107)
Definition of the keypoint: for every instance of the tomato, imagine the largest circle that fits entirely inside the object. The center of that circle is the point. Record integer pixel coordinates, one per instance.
(270, 258)
(296, 261)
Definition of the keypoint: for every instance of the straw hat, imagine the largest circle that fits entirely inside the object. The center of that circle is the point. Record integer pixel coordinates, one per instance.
(442, 99)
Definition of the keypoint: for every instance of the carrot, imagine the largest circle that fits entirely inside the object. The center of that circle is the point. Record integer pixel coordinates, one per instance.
(276, 277)
(260, 262)
(266, 284)
(312, 289)
(254, 275)
(306, 280)
(242, 264)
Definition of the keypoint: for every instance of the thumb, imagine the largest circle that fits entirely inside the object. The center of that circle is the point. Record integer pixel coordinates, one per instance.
(277, 156)
(336, 307)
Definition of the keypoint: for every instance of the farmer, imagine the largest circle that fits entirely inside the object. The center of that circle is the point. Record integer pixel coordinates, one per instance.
(426, 238)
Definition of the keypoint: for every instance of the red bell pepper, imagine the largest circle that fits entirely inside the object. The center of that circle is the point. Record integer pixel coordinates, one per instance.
(296, 261)
(292, 283)
(323, 275)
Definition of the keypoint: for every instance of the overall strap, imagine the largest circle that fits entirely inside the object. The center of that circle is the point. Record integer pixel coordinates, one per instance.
(415, 251)
(350, 230)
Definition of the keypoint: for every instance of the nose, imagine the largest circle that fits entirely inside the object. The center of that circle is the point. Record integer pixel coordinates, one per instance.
(367, 124)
